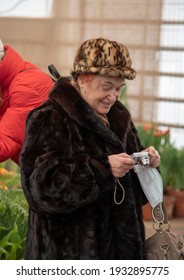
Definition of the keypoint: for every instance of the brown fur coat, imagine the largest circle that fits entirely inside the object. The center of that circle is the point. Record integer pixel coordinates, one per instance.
(67, 180)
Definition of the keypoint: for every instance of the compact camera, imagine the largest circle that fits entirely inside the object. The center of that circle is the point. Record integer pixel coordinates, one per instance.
(141, 158)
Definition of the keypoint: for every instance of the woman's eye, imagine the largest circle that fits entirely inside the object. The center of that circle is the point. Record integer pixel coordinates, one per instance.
(106, 89)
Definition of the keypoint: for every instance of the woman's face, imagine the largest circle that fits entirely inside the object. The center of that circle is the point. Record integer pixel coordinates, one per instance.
(100, 92)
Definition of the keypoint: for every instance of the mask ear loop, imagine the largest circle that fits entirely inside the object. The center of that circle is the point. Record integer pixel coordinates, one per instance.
(115, 192)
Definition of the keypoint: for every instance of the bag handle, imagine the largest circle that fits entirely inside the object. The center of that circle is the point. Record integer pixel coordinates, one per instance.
(159, 213)
(152, 186)
(54, 72)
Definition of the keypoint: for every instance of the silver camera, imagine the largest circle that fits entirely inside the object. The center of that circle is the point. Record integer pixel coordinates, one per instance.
(141, 158)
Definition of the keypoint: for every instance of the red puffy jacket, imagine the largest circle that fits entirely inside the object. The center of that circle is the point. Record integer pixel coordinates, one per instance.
(24, 86)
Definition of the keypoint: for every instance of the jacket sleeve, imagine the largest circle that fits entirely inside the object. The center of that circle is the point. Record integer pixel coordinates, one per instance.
(23, 98)
(11, 132)
(55, 178)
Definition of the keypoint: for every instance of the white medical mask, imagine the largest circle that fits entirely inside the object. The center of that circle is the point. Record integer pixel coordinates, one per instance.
(151, 182)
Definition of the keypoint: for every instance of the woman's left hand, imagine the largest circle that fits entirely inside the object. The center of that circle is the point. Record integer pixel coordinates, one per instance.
(154, 156)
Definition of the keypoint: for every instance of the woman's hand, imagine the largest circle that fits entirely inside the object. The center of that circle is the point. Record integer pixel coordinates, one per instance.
(154, 156)
(120, 164)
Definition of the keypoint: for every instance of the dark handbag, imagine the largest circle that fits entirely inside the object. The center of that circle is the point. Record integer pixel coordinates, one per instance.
(163, 244)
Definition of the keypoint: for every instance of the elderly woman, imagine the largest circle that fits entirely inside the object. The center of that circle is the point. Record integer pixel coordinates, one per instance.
(77, 171)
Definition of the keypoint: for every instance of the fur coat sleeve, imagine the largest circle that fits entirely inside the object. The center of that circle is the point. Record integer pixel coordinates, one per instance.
(56, 179)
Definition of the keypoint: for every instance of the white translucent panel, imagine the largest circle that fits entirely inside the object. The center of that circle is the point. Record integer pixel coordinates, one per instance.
(127, 34)
(177, 137)
(137, 56)
(133, 87)
(131, 9)
(140, 110)
(147, 111)
(142, 86)
(124, 9)
(172, 35)
(67, 32)
(150, 61)
(170, 112)
(25, 31)
(65, 57)
(171, 61)
(92, 30)
(68, 9)
(133, 107)
(171, 87)
(25, 8)
(152, 35)
(91, 6)
(173, 10)
(150, 85)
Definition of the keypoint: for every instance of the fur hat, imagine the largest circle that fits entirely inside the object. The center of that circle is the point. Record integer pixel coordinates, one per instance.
(103, 57)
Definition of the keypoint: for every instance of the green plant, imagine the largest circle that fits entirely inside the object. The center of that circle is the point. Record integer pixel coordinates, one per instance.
(13, 224)
(152, 135)
(8, 179)
(123, 96)
(172, 158)
(179, 184)
(169, 165)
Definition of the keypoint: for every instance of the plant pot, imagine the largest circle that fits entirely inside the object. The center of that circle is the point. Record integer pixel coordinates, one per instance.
(179, 208)
(147, 212)
(179, 202)
(169, 204)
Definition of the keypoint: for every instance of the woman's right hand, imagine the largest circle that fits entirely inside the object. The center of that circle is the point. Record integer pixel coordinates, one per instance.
(120, 164)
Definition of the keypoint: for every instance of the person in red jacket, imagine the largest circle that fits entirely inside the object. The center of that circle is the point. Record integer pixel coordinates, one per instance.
(23, 87)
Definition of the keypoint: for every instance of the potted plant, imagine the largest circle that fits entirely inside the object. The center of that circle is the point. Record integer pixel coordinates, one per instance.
(175, 187)
(152, 135)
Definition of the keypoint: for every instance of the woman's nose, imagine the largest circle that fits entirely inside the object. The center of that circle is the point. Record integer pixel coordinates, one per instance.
(113, 97)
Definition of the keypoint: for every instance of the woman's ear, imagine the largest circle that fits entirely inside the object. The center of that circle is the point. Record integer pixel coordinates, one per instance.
(84, 78)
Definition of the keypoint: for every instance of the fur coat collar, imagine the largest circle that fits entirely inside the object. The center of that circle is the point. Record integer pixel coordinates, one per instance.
(67, 96)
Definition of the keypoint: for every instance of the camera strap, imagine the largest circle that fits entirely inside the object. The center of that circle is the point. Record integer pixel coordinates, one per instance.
(117, 183)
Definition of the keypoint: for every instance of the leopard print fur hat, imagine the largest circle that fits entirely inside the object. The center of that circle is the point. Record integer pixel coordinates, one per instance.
(103, 57)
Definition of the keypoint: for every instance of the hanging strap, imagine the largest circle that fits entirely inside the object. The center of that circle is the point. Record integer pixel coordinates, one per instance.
(117, 183)
(159, 213)
(54, 72)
